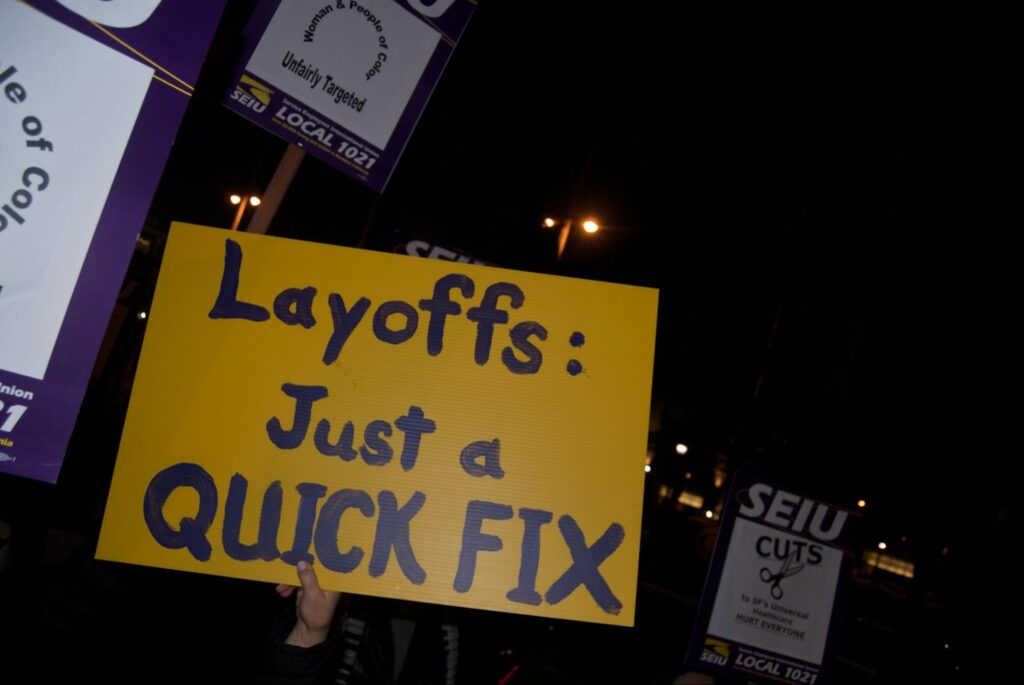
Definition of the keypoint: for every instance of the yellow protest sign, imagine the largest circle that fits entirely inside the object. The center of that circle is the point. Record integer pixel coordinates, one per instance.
(417, 429)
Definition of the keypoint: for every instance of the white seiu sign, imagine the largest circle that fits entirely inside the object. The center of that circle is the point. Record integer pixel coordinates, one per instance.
(778, 584)
(355, 62)
(67, 108)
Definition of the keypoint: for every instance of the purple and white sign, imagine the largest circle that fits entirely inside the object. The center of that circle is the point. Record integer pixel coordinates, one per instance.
(767, 608)
(346, 80)
(91, 95)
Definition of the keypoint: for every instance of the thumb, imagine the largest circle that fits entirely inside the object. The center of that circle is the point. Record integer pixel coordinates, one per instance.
(307, 578)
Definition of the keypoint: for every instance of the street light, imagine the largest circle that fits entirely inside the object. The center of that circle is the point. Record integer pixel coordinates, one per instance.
(589, 225)
(242, 202)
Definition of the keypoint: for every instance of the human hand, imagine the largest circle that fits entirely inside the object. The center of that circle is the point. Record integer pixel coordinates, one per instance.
(314, 608)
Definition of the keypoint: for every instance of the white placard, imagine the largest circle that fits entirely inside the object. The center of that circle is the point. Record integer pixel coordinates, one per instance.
(67, 108)
(356, 63)
(776, 591)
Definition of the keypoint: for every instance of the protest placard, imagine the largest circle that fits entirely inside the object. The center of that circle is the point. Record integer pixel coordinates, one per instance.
(91, 94)
(773, 586)
(419, 429)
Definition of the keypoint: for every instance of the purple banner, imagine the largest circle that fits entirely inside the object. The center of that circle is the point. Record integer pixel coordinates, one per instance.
(346, 80)
(775, 581)
(91, 95)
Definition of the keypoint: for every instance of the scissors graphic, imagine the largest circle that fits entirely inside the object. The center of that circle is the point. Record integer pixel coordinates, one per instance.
(787, 569)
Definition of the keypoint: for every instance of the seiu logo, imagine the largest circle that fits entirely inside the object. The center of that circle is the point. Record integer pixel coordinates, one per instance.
(715, 652)
(252, 94)
(792, 512)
